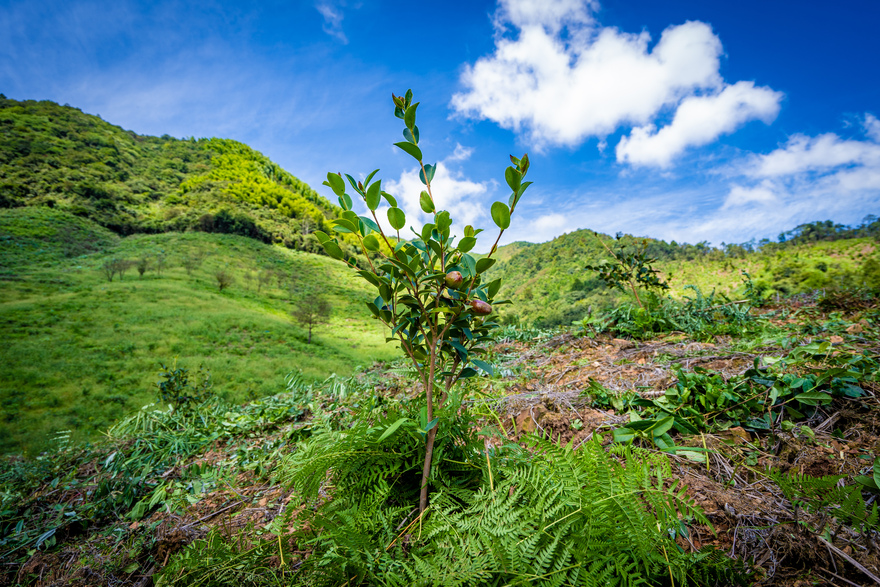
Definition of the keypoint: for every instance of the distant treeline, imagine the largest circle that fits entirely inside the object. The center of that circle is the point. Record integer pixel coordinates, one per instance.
(811, 232)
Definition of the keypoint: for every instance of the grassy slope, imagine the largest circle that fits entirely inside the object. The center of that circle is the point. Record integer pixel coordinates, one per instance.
(80, 351)
(549, 285)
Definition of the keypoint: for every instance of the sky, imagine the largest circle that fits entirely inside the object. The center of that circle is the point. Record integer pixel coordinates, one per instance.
(683, 120)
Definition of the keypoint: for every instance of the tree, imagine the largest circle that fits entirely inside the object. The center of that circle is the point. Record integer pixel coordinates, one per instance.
(311, 310)
(224, 279)
(431, 293)
(142, 265)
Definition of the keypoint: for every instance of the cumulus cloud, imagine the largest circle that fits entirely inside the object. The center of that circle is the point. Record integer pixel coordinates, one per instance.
(333, 16)
(452, 191)
(564, 78)
(699, 120)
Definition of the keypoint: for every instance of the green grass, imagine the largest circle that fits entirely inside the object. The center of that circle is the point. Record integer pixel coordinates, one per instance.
(80, 352)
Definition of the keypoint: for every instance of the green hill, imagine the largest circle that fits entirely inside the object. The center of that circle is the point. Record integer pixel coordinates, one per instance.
(59, 157)
(550, 287)
(80, 351)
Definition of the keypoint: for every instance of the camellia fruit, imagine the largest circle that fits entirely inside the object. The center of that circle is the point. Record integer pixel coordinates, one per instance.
(481, 308)
(454, 279)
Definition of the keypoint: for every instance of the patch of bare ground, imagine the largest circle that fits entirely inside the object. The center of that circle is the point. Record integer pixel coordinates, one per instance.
(751, 517)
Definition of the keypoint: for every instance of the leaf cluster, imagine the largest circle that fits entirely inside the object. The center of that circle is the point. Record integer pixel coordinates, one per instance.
(702, 400)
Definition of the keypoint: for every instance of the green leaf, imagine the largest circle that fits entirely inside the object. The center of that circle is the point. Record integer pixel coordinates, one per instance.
(467, 372)
(462, 352)
(444, 221)
(493, 287)
(321, 236)
(390, 198)
(623, 435)
(513, 177)
(662, 426)
(466, 244)
(486, 367)
(877, 471)
(370, 276)
(345, 202)
(374, 195)
(332, 249)
(369, 222)
(344, 225)
(426, 202)
(336, 183)
(409, 117)
(396, 218)
(430, 425)
(484, 264)
(369, 177)
(813, 398)
(371, 243)
(869, 482)
(429, 169)
(411, 150)
(412, 135)
(468, 264)
(391, 429)
(426, 231)
(353, 182)
(501, 215)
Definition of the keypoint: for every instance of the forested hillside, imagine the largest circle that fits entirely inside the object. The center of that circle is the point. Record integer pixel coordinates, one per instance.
(58, 156)
(550, 285)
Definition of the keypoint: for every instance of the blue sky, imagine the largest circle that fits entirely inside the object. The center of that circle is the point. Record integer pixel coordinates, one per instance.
(685, 120)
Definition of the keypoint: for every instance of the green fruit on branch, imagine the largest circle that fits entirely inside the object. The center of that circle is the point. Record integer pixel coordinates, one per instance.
(454, 279)
(481, 308)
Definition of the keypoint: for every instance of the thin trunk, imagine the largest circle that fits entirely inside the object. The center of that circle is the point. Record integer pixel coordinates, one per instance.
(432, 433)
(632, 286)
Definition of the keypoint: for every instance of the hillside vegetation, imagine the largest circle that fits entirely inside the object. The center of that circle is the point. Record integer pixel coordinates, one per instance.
(80, 351)
(58, 156)
(550, 286)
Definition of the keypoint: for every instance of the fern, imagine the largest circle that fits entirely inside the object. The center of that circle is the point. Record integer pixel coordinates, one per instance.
(827, 495)
(542, 514)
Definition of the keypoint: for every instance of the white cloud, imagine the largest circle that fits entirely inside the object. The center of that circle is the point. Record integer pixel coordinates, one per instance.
(550, 14)
(809, 178)
(872, 127)
(450, 189)
(561, 94)
(333, 17)
(699, 120)
(559, 89)
(814, 154)
(764, 193)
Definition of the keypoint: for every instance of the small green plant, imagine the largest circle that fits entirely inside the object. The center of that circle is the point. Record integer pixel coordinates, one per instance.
(176, 389)
(431, 294)
(630, 266)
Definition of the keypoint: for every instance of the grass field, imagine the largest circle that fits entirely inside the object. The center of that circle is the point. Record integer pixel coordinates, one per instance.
(80, 351)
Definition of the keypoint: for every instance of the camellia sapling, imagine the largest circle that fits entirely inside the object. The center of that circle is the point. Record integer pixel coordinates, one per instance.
(431, 292)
